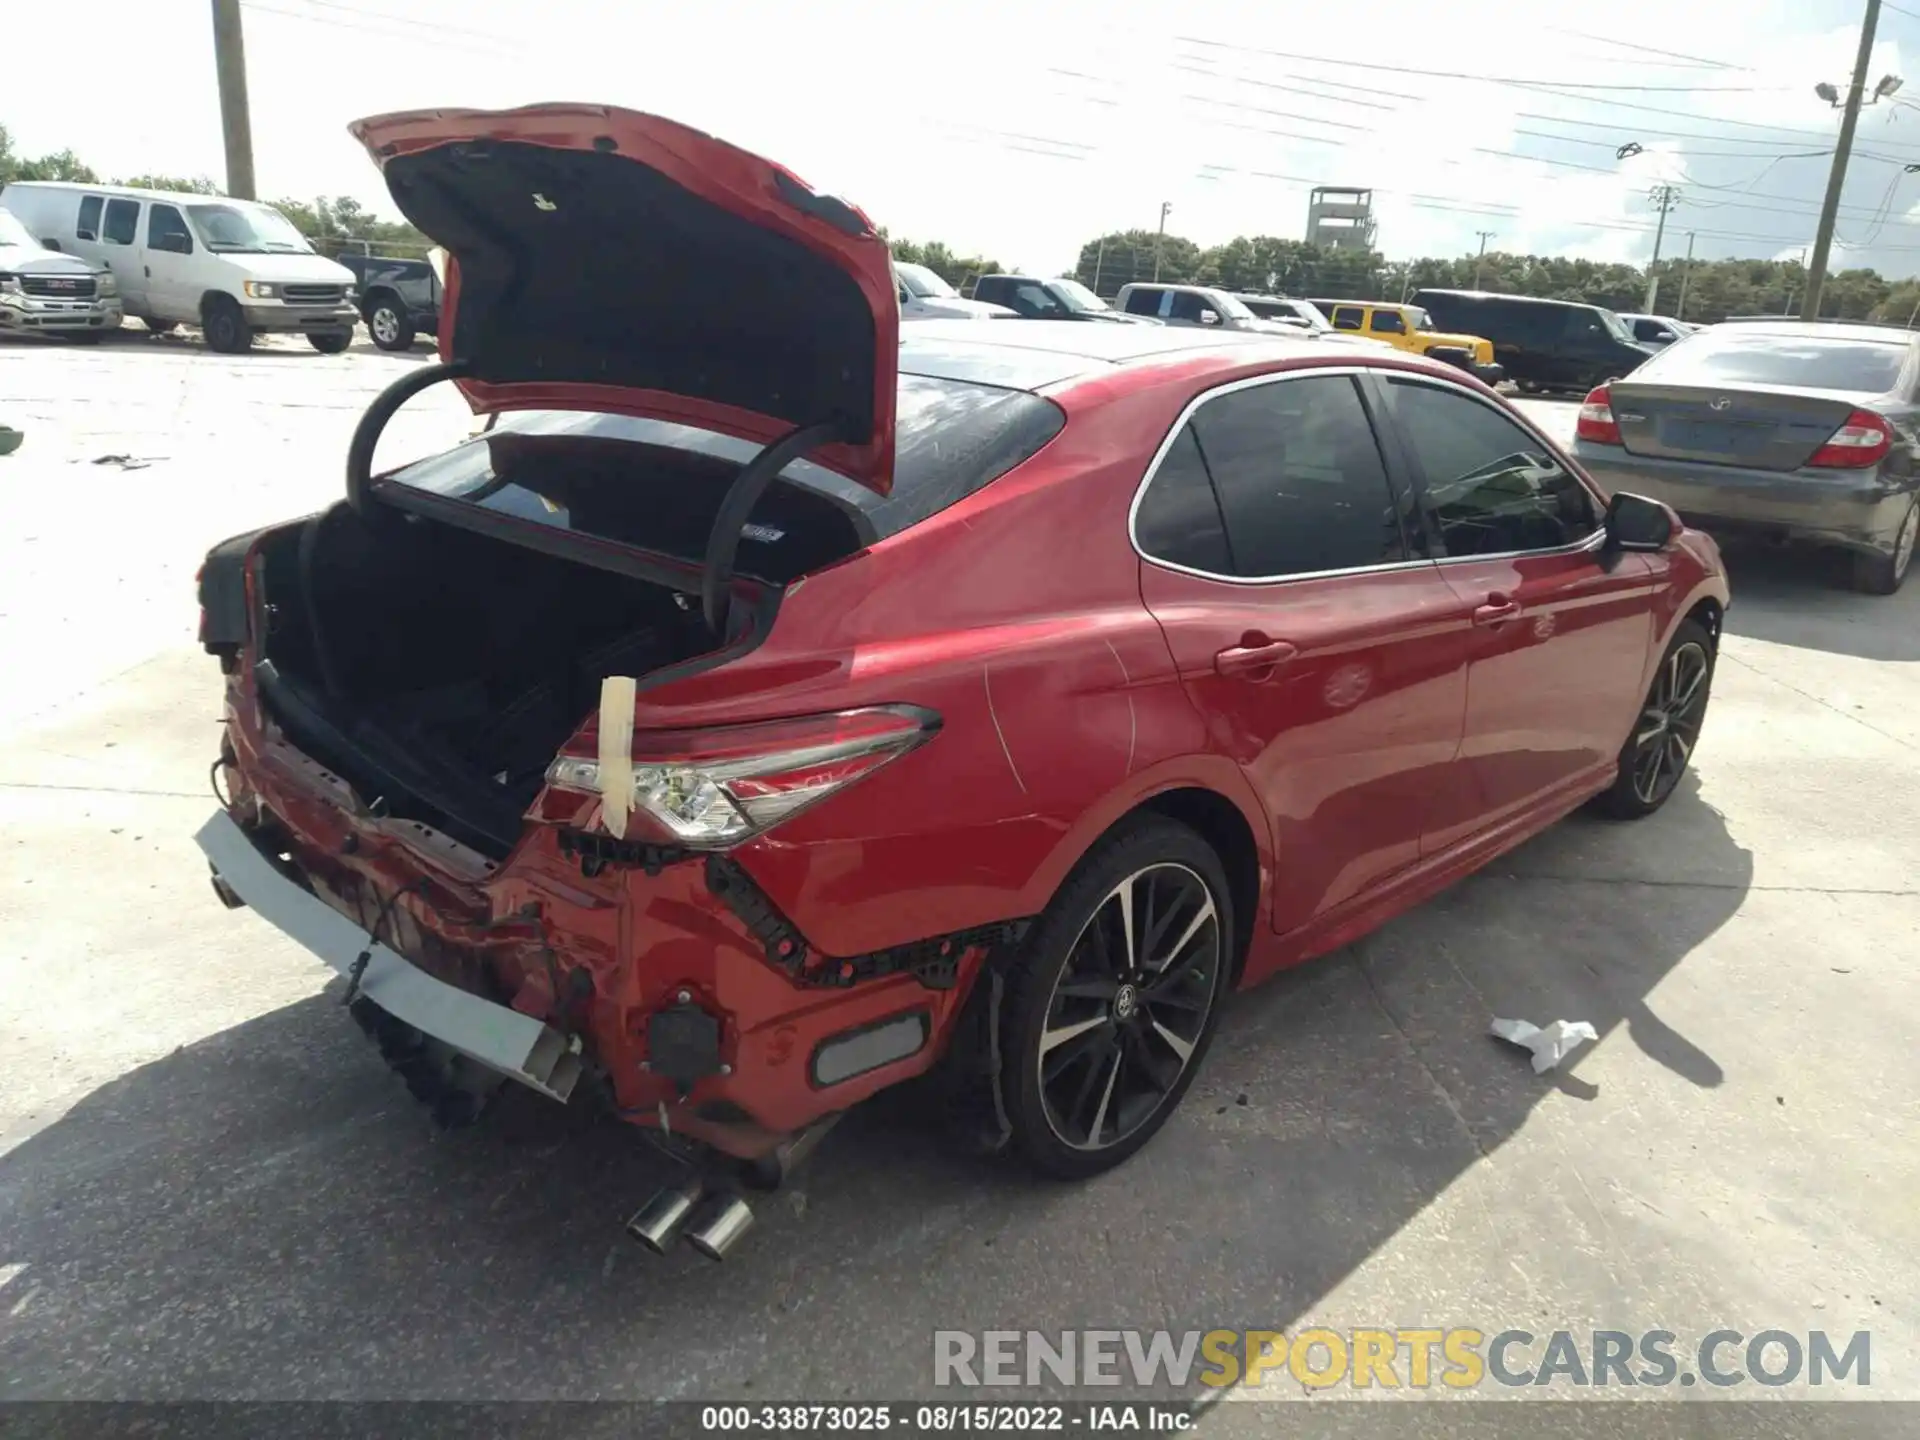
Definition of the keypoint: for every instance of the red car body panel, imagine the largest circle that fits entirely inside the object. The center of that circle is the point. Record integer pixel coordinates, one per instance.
(1404, 742)
(737, 181)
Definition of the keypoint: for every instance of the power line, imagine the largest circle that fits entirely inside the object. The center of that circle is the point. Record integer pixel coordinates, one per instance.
(364, 28)
(1482, 79)
(1699, 60)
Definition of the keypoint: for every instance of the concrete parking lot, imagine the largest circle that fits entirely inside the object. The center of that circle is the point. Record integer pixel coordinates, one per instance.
(210, 1186)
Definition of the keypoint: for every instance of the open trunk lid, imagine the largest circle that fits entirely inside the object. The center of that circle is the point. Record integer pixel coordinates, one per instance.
(604, 259)
(1759, 427)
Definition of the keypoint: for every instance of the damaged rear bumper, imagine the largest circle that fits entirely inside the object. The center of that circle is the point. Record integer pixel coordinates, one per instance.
(517, 1046)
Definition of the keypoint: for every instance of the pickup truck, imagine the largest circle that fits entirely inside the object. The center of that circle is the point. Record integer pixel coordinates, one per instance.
(398, 298)
(1058, 299)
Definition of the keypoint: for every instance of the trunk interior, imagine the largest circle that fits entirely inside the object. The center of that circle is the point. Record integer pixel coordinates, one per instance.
(439, 669)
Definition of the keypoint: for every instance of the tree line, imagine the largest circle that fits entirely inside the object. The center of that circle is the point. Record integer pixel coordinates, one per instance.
(1265, 264)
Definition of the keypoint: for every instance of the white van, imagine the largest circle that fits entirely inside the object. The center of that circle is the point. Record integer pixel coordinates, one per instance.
(235, 268)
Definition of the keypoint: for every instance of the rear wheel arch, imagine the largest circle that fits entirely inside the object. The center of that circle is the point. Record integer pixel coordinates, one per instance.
(1219, 822)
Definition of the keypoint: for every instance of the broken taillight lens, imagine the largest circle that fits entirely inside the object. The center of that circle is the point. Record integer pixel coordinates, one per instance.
(713, 788)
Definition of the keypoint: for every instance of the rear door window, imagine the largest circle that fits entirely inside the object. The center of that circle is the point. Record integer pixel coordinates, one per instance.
(1143, 302)
(123, 222)
(87, 227)
(1491, 488)
(1348, 317)
(1299, 477)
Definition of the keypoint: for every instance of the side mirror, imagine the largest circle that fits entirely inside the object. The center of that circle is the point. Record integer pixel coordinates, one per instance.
(1636, 523)
(1207, 317)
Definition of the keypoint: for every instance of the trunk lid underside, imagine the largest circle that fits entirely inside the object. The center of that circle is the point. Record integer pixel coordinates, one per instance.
(604, 259)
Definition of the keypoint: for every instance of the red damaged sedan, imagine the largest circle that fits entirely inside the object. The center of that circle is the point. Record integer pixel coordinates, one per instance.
(767, 709)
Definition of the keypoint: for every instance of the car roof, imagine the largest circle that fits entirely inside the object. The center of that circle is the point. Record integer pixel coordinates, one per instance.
(1034, 355)
(132, 192)
(1500, 295)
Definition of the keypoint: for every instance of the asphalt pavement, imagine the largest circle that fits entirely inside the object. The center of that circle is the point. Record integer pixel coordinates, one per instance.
(211, 1187)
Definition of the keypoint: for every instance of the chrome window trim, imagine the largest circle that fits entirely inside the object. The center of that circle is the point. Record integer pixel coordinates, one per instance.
(1439, 382)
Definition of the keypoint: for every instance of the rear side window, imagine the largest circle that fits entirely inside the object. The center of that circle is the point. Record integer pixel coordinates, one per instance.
(1491, 487)
(1143, 302)
(1179, 517)
(1733, 356)
(1299, 477)
(123, 222)
(87, 227)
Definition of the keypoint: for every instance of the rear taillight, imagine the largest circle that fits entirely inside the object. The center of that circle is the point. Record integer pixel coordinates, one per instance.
(1864, 440)
(1596, 423)
(714, 788)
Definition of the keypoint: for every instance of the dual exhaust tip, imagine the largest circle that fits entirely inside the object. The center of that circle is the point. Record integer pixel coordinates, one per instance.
(711, 1221)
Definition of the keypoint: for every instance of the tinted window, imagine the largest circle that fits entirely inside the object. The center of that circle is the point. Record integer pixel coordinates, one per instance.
(1388, 322)
(123, 222)
(167, 230)
(1490, 485)
(1179, 516)
(1143, 302)
(1299, 478)
(1732, 356)
(1348, 317)
(1032, 298)
(88, 225)
(1188, 306)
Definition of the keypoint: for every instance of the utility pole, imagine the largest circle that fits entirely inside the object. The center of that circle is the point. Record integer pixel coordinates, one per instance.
(1166, 206)
(1686, 274)
(1480, 262)
(1664, 197)
(230, 62)
(1837, 176)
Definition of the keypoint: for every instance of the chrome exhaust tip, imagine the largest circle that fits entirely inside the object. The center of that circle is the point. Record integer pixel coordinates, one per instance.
(657, 1223)
(722, 1220)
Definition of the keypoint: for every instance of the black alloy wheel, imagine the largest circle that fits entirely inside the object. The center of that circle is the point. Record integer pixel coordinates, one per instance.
(1119, 998)
(1661, 744)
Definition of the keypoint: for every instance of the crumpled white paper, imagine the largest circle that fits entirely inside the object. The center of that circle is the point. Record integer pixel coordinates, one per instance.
(1550, 1044)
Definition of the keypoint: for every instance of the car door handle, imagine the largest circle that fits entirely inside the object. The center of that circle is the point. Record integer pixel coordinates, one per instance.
(1253, 654)
(1497, 610)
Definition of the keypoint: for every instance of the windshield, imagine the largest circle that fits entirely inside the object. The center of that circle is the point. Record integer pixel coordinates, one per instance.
(247, 229)
(923, 284)
(13, 232)
(1734, 357)
(1077, 296)
(1615, 325)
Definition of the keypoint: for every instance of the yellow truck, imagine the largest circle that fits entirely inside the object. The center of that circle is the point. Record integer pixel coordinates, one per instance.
(1407, 327)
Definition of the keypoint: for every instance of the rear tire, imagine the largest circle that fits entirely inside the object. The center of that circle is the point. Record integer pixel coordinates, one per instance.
(1115, 998)
(330, 342)
(1884, 574)
(1661, 743)
(225, 328)
(390, 325)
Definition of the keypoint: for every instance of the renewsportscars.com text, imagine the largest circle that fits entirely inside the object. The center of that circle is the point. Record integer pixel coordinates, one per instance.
(1459, 1358)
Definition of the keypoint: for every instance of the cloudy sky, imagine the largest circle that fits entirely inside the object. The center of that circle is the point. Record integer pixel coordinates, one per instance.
(1022, 129)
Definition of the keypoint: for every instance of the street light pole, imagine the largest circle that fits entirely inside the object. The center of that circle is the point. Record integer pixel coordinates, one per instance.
(1159, 240)
(1837, 176)
(1480, 261)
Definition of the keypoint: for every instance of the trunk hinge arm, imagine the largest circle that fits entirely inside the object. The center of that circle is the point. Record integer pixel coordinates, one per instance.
(723, 541)
(366, 434)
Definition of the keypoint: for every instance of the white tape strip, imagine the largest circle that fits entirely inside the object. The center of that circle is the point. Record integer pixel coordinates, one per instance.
(616, 752)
